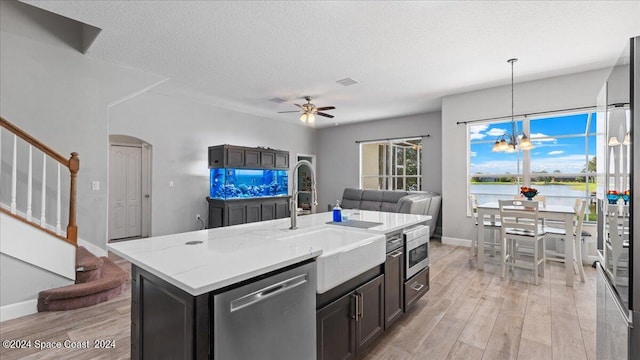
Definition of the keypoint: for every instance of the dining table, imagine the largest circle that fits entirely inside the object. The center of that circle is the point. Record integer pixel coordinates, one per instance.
(562, 213)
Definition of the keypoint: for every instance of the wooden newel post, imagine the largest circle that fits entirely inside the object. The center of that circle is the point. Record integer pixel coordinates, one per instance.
(72, 228)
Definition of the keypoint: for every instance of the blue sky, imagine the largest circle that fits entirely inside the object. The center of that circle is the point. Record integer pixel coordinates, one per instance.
(552, 150)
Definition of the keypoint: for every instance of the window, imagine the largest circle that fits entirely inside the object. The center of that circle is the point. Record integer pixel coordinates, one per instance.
(562, 166)
(391, 165)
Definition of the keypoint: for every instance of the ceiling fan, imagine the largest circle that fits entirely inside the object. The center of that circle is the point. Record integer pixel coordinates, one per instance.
(309, 111)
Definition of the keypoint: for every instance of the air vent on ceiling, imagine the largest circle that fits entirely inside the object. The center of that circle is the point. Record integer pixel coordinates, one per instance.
(278, 100)
(347, 82)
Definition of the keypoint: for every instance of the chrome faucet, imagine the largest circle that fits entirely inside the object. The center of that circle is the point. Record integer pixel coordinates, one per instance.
(293, 203)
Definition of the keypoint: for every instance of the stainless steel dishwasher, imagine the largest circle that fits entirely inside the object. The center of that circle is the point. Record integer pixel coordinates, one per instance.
(272, 318)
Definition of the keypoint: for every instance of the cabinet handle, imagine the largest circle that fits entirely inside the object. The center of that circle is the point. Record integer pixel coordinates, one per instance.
(417, 286)
(396, 253)
(361, 305)
(355, 315)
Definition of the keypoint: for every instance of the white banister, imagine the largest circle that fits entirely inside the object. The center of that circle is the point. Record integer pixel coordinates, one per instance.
(30, 185)
(14, 174)
(58, 210)
(43, 217)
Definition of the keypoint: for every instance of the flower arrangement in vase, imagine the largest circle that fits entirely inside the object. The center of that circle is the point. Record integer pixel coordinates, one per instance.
(528, 192)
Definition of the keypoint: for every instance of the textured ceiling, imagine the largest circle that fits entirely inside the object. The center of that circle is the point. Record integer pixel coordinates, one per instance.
(404, 55)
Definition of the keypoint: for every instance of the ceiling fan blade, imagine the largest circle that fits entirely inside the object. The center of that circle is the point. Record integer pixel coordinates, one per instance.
(282, 112)
(325, 108)
(300, 106)
(325, 115)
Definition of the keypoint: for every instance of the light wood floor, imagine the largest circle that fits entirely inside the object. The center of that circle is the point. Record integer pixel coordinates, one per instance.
(467, 314)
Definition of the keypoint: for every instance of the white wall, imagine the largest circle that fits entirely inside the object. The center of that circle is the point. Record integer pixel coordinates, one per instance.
(60, 97)
(180, 131)
(338, 154)
(555, 93)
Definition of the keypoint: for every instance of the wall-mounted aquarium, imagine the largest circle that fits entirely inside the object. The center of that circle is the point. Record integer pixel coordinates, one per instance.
(227, 183)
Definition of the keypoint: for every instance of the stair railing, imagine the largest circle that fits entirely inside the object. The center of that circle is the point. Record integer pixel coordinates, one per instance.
(73, 164)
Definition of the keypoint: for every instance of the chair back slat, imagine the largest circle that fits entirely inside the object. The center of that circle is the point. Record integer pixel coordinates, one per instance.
(519, 215)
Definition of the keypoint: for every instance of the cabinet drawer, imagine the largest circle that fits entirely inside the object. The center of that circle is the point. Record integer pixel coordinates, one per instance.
(415, 288)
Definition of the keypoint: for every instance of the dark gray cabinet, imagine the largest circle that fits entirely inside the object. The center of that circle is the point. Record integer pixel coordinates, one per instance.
(282, 160)
(345, 327)
(254, 212)
(415, 287)
(242, 211)
(393, 286)
(238, 157)
(336, 329)
(236, 214)
(166, 322)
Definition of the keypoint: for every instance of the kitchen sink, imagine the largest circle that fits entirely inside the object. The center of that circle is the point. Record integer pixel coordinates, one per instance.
(345, 253)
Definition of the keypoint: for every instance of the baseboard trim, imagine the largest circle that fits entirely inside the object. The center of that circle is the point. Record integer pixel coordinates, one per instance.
(17, 310)
(456, 241)
(94, 249)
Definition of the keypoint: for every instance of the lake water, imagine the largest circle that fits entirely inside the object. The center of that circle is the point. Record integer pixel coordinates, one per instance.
(555, 194)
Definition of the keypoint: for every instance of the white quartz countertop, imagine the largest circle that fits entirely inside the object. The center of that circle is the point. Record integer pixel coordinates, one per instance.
(232, 254)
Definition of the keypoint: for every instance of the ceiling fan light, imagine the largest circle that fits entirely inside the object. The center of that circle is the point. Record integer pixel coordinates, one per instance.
(303, 117)
(311, 118)
(627, 139)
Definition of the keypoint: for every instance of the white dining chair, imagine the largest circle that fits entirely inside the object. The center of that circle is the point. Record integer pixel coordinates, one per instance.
(494, 226)
(521, 229)
(560, 236)
(617, 243)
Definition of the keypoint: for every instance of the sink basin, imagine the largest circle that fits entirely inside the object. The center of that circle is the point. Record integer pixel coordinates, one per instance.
(345, 254)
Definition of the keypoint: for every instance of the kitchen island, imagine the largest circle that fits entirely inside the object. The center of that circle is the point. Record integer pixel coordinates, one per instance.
(176, 277)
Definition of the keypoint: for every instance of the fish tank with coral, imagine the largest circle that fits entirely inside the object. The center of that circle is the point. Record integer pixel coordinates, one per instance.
(227, 183)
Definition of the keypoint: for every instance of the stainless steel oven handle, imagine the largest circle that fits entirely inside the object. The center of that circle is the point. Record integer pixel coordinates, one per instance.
(417, 286)
(396, 253)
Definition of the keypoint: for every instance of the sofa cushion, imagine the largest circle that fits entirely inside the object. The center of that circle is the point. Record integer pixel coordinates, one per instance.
(390, 200)
(351, 198)
(413, 204)
(371, 200)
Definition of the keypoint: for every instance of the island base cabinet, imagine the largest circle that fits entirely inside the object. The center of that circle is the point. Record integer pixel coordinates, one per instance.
(393, 287)
(351, 323)
(415, 288)
(336, 329)
(157, 305)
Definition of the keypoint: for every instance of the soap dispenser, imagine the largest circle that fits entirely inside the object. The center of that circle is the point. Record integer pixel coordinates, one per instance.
(337, 212)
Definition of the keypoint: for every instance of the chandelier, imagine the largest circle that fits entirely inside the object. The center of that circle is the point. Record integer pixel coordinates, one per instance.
(511, 142)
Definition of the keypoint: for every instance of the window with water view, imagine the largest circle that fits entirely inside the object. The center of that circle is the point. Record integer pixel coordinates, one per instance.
(562, 166)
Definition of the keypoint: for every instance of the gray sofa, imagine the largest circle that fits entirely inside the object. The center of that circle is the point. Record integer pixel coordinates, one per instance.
(406, 202)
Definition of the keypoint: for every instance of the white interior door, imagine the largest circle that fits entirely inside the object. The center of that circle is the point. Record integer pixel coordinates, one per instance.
(125, 192)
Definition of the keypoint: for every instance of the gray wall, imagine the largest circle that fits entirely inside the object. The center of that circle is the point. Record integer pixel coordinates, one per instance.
(28, 283)
(61, 98)
(180, 131)
(338, 154)
(554, 93)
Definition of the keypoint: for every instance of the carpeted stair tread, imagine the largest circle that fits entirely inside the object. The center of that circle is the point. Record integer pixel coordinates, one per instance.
(112, 283)
(86, 261)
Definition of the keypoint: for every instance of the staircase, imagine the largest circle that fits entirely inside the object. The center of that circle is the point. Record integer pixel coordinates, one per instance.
(98, 279)
(38, 187)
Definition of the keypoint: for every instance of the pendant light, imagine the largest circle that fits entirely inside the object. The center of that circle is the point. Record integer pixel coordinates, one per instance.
(508, 142)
